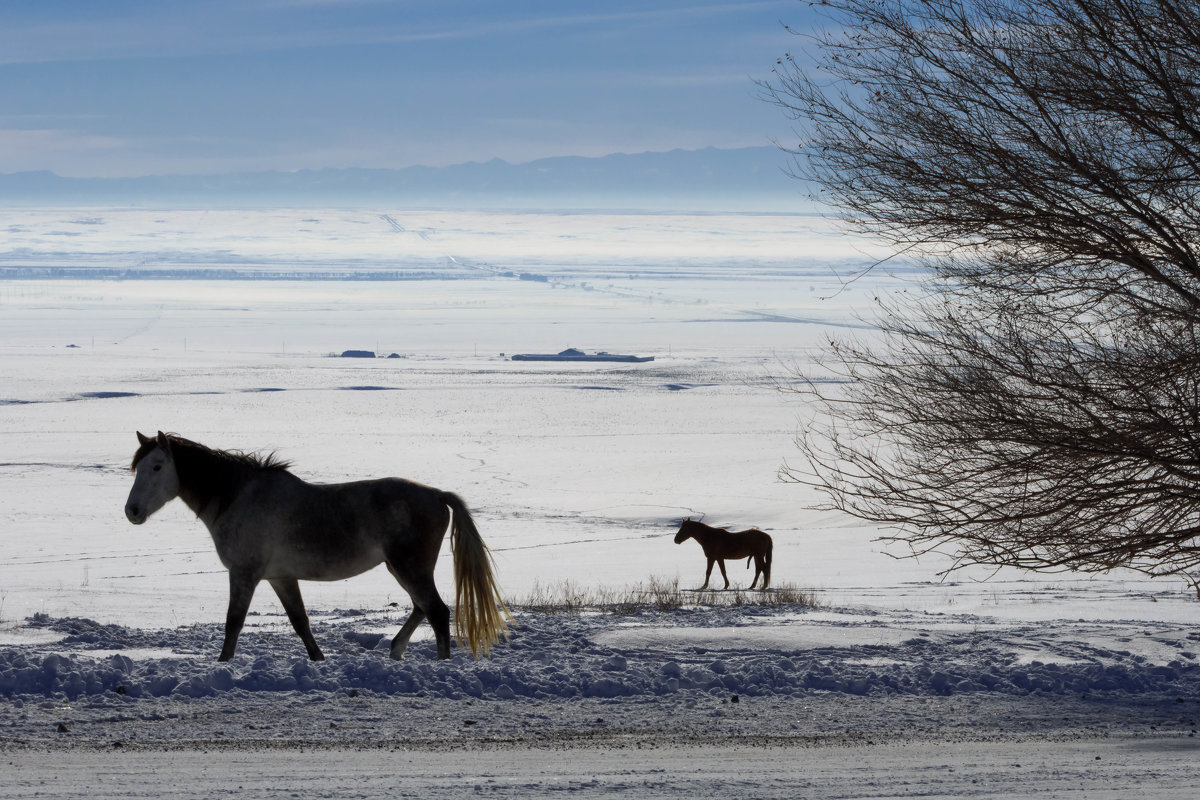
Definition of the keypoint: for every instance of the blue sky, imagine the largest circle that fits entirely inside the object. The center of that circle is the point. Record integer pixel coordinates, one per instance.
(136, 87)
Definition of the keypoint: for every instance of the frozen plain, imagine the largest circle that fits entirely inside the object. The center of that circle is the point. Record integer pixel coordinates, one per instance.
(899, 683)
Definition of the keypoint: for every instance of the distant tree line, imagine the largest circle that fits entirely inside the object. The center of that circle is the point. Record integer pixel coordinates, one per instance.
(219, 274)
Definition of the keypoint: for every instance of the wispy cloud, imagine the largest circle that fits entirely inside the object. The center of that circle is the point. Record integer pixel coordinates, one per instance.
(18, 146)
(144, 86)
(226, 28)
(317, 3)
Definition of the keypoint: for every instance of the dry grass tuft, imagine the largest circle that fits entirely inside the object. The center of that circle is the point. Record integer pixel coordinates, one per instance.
(655, 594)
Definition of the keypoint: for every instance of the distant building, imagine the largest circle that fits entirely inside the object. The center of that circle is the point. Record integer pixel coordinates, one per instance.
(571, 354)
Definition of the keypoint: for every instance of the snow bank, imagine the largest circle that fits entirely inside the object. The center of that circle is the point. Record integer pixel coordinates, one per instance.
(652, 655)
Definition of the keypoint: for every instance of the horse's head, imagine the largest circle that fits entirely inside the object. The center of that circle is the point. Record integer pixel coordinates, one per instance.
(685, 531)
(155, 481)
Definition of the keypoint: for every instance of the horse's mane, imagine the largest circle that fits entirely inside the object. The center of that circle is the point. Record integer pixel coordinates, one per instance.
(703, 525)
(270, 461)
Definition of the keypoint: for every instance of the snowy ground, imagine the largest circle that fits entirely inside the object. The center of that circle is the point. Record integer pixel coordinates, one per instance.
(789, 702)
(896, 684)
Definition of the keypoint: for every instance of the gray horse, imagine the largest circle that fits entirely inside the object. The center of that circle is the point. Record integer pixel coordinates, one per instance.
(268, 524)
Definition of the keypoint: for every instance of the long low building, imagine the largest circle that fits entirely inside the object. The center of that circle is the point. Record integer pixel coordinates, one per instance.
(571, 354)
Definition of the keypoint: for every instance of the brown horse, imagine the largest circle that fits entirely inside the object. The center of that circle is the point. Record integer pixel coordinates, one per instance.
(720, 544)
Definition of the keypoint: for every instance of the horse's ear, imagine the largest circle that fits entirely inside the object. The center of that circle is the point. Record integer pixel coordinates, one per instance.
(143, 439)
(164, 443)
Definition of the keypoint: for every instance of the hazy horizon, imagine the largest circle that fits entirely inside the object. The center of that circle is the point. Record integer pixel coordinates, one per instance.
(711, 179)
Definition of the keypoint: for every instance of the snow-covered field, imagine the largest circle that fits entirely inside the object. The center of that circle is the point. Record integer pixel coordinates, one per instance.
(897, 683)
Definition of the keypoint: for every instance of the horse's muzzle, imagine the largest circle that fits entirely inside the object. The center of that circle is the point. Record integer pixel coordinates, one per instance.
(134, 514)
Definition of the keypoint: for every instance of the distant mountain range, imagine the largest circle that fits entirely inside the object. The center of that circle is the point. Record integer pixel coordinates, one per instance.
(746, 179)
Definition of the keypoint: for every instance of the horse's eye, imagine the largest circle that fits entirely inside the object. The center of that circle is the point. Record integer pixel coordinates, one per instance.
(157, 467)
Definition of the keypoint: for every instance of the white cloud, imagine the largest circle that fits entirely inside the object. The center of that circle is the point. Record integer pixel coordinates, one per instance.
(22, 149)
(174, 30)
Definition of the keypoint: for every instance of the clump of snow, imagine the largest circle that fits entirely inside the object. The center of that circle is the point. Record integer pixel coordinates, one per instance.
(654, 655)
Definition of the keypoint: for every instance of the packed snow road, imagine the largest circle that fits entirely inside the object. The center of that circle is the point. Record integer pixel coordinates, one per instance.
(1159, 769)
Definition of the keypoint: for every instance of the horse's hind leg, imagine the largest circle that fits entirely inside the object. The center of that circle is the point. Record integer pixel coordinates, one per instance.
(758, 570)
(426, 600)
(288, 590)
(400, 641)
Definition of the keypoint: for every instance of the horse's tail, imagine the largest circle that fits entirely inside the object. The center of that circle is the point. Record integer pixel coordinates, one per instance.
(480, 616)
(768, 557)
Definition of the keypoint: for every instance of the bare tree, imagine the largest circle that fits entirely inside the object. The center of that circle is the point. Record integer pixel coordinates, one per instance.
(1040, 407)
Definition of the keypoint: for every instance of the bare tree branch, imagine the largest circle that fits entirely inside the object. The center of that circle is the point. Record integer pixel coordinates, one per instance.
(1042, 407)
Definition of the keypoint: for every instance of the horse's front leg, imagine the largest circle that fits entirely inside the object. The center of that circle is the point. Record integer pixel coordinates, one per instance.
(721, 564)
(288, 590)
(241, 591)
(708, 573)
